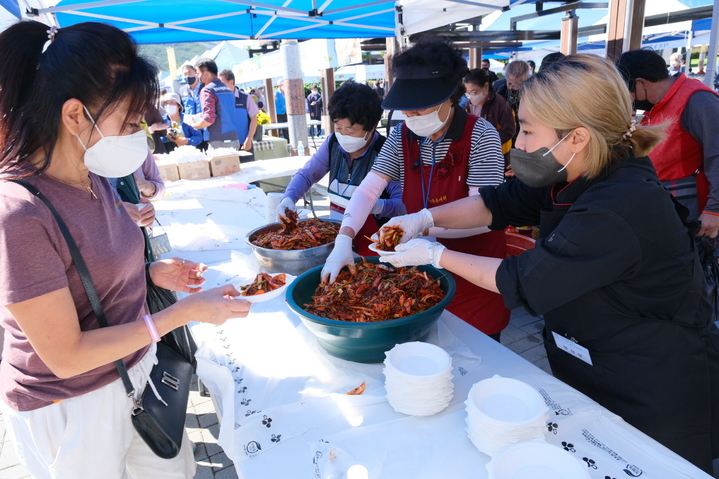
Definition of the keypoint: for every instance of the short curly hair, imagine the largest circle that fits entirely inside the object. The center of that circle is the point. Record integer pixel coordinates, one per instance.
(358, 103)
(438, 53)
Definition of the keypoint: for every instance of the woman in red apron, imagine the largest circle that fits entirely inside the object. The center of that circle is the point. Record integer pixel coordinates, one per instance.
(347, 155)
(440, 154)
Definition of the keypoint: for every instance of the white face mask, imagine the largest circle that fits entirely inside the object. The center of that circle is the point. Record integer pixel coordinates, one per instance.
(477, 99)
(115, 156)
(171, 109)
(426, 125)
(351, 143)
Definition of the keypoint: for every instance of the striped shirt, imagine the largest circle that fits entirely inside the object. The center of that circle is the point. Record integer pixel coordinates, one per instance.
(486, 163)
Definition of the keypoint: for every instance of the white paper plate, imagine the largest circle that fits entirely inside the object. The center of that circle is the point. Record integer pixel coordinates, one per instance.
(380, 252)
(505, 401)
(418, 360)
(258, 298)
(535, 460)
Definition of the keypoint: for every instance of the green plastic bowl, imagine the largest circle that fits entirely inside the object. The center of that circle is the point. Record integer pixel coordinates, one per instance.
(365, 342)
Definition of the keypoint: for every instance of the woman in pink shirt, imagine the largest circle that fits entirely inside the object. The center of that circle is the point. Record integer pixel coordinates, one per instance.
(70, 116)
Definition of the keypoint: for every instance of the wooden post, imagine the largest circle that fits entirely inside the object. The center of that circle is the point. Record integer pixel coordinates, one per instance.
(624, 31)
(637, 27)
(615, 29)
(328, 89)
(475, 58)
(568, 36)
(270, 103)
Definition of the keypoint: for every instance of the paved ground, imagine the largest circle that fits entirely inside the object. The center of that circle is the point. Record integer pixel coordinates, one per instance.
(523, 336)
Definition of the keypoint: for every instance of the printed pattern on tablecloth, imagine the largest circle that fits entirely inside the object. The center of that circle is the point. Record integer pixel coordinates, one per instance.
(332, 462)
(276, 399)
(599, 439)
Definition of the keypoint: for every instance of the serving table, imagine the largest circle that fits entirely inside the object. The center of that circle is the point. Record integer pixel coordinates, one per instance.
(282, 399)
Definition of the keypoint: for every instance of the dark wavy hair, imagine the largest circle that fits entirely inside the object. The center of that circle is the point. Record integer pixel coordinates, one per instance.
(92, 62)
(356, 102)
(478, 77)
(441, 55)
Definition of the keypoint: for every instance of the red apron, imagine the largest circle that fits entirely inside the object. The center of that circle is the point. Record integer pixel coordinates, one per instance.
(477, 306)
(360, 241)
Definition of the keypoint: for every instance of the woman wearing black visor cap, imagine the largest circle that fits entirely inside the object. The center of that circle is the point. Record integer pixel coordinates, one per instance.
(439, 154)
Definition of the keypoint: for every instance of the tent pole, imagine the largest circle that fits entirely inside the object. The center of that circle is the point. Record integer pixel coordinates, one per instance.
(712, 58)
(294, 92)
(688, 54)
(328, 89)
(270, 103)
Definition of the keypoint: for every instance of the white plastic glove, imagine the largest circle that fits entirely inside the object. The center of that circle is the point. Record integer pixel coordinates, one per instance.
(415, 253)
(340, 256)
(378, 206)
(413, 224)
(285, 204)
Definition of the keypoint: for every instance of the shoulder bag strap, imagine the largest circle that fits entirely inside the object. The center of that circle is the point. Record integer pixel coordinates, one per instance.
(84, 277)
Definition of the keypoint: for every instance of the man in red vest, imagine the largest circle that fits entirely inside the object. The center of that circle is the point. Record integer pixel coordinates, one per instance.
(687, 161)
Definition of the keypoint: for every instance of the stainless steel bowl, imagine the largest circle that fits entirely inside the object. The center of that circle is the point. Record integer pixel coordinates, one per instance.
(294, 262)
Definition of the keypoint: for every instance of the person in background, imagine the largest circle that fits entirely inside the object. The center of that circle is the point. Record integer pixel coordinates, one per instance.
(532, 67)
(485, 103)
(190, 94)
(687, 161)
(348, 155)
(63, 403)
(157, 127)
(614, 274)
(261, 98)
(379, 88)
(218, 108)
(485, 66)
(179, 133)
(245, 113)
(510, 87)
(281, 109)
(313, 106)
(675, 64)
(550, 59)
(439, 154)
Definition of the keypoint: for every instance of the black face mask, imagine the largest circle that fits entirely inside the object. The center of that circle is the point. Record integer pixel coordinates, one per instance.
(539, 168)
(191, 80)
(645, 105)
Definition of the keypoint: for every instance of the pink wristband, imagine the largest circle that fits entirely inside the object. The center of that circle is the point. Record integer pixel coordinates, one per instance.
(151, 328)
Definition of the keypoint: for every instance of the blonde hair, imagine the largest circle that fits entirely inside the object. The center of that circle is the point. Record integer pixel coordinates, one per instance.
(588, 91)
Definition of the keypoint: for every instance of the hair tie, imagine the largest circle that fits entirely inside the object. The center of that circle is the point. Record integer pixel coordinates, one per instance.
(632, 129)
(51, 37)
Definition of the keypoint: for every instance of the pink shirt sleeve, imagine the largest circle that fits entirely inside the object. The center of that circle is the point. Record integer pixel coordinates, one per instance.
(151, 173)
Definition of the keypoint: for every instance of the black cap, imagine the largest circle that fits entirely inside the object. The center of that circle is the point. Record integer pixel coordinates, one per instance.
(419, 86)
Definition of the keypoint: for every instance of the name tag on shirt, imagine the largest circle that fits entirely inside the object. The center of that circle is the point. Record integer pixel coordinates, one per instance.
(572, 348)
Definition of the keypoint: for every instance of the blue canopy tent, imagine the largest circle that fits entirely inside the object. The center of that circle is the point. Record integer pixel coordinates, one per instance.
(12, 7)
(170, 21)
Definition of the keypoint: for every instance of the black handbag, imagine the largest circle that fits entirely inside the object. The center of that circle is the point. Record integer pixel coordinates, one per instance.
(160, 423)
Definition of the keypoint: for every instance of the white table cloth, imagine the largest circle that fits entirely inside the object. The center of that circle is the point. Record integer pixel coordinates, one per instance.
(281, 398)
